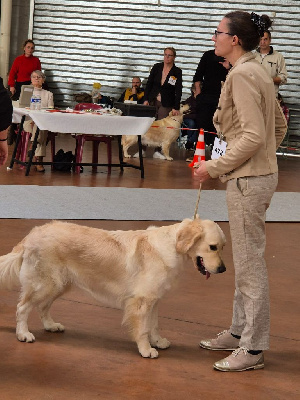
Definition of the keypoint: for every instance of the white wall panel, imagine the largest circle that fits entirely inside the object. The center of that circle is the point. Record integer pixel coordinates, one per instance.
(80, 42)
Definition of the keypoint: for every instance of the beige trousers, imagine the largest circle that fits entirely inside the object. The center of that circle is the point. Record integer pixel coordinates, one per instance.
(30, 127)
(248, 200)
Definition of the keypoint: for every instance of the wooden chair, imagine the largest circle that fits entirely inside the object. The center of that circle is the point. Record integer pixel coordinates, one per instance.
(96, 139)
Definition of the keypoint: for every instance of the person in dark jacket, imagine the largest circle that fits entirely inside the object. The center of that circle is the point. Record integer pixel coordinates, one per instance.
(6, 110)
(211, 71)
(164, 86)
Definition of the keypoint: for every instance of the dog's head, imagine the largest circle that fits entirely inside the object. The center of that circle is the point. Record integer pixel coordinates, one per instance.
(202, 241)
(183, 109)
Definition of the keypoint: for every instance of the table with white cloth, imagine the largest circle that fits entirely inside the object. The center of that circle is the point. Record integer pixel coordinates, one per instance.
(83, 123)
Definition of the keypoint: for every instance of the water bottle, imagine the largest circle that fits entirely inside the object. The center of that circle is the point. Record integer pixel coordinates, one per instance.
(33, 102)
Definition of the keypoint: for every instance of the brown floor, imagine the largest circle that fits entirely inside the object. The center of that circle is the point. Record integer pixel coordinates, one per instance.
(95, 359)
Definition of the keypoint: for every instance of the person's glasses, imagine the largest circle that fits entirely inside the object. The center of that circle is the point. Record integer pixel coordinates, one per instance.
(219, 33)
(36, 77)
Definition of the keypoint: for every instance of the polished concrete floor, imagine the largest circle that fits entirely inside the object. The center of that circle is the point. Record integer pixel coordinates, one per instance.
(95, 358)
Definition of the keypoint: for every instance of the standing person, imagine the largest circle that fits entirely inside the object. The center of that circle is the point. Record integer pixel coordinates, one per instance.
(22, 68)
(135, 93)
(164, 88)
(211, 72)
(250, 120)
(6, 110)
(272, 60)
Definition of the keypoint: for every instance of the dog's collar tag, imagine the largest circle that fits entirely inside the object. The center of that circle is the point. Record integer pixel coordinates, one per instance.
(219, 148)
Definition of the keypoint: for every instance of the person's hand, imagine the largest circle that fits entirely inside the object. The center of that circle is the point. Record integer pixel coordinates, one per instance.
(175, 112)
(12, 90)
(146, 103)
(3, 152)
(200, 172)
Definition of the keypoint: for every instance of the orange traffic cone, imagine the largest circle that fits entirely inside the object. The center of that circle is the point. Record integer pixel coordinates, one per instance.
(200, 149)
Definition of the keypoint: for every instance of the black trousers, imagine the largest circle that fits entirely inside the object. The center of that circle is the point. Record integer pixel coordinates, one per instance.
(206, 107)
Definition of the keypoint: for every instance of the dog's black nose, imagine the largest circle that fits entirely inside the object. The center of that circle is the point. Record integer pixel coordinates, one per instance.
(221, 269)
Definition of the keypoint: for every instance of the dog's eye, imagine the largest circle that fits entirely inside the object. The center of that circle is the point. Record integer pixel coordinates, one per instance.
(213, 247)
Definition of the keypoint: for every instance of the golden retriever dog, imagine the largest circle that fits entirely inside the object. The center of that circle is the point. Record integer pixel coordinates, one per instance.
(130, 270)
(162, 133)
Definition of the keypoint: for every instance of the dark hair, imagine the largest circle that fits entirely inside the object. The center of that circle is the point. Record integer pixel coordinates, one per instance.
(269, 33)
(27, 41)
(249, 28)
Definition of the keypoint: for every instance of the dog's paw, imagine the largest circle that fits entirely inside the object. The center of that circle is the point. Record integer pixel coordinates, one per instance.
(56, 327)
(26, 337)
(150, 353)
(127, 156)
(169, 158)
(161, 343)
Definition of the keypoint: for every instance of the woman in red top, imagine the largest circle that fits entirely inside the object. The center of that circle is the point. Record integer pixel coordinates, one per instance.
(22, 68)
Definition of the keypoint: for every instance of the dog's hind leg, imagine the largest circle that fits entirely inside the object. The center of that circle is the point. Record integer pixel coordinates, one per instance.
(23, 310)
(128, 141)
(41, 296)
(44, 311)
(137, 316)
(155, 339)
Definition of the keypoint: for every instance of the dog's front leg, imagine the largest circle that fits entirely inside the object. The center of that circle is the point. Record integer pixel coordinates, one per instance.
(165, 147)
(137, 316)
(155, 339)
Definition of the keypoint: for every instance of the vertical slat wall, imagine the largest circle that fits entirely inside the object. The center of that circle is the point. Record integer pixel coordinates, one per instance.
(81, 42)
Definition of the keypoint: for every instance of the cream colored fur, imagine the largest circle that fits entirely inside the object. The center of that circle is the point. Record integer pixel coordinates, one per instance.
(130, 270)
(159, 135)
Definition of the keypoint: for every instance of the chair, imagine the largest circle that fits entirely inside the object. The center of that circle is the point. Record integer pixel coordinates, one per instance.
(23, 146)
(82, 138)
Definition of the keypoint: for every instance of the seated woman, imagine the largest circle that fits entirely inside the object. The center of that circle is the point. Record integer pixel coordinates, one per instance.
(37, 80)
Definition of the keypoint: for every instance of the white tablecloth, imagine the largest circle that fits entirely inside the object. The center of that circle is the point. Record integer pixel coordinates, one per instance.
(18, 114)
(87, 123)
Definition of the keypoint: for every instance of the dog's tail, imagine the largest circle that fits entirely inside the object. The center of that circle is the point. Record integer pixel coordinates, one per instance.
(10, 266)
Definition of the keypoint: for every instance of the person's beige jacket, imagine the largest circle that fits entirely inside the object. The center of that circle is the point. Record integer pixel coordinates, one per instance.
(251, 120)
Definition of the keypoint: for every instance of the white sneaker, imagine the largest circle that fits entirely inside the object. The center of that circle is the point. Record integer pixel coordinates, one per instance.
(157, 154)
(137, 155)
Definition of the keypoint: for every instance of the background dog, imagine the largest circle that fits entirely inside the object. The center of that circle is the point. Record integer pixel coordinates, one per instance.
(159, 135)
(130, 270)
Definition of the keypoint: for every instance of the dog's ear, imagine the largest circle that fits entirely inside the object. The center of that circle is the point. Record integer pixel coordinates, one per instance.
(187, 236)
